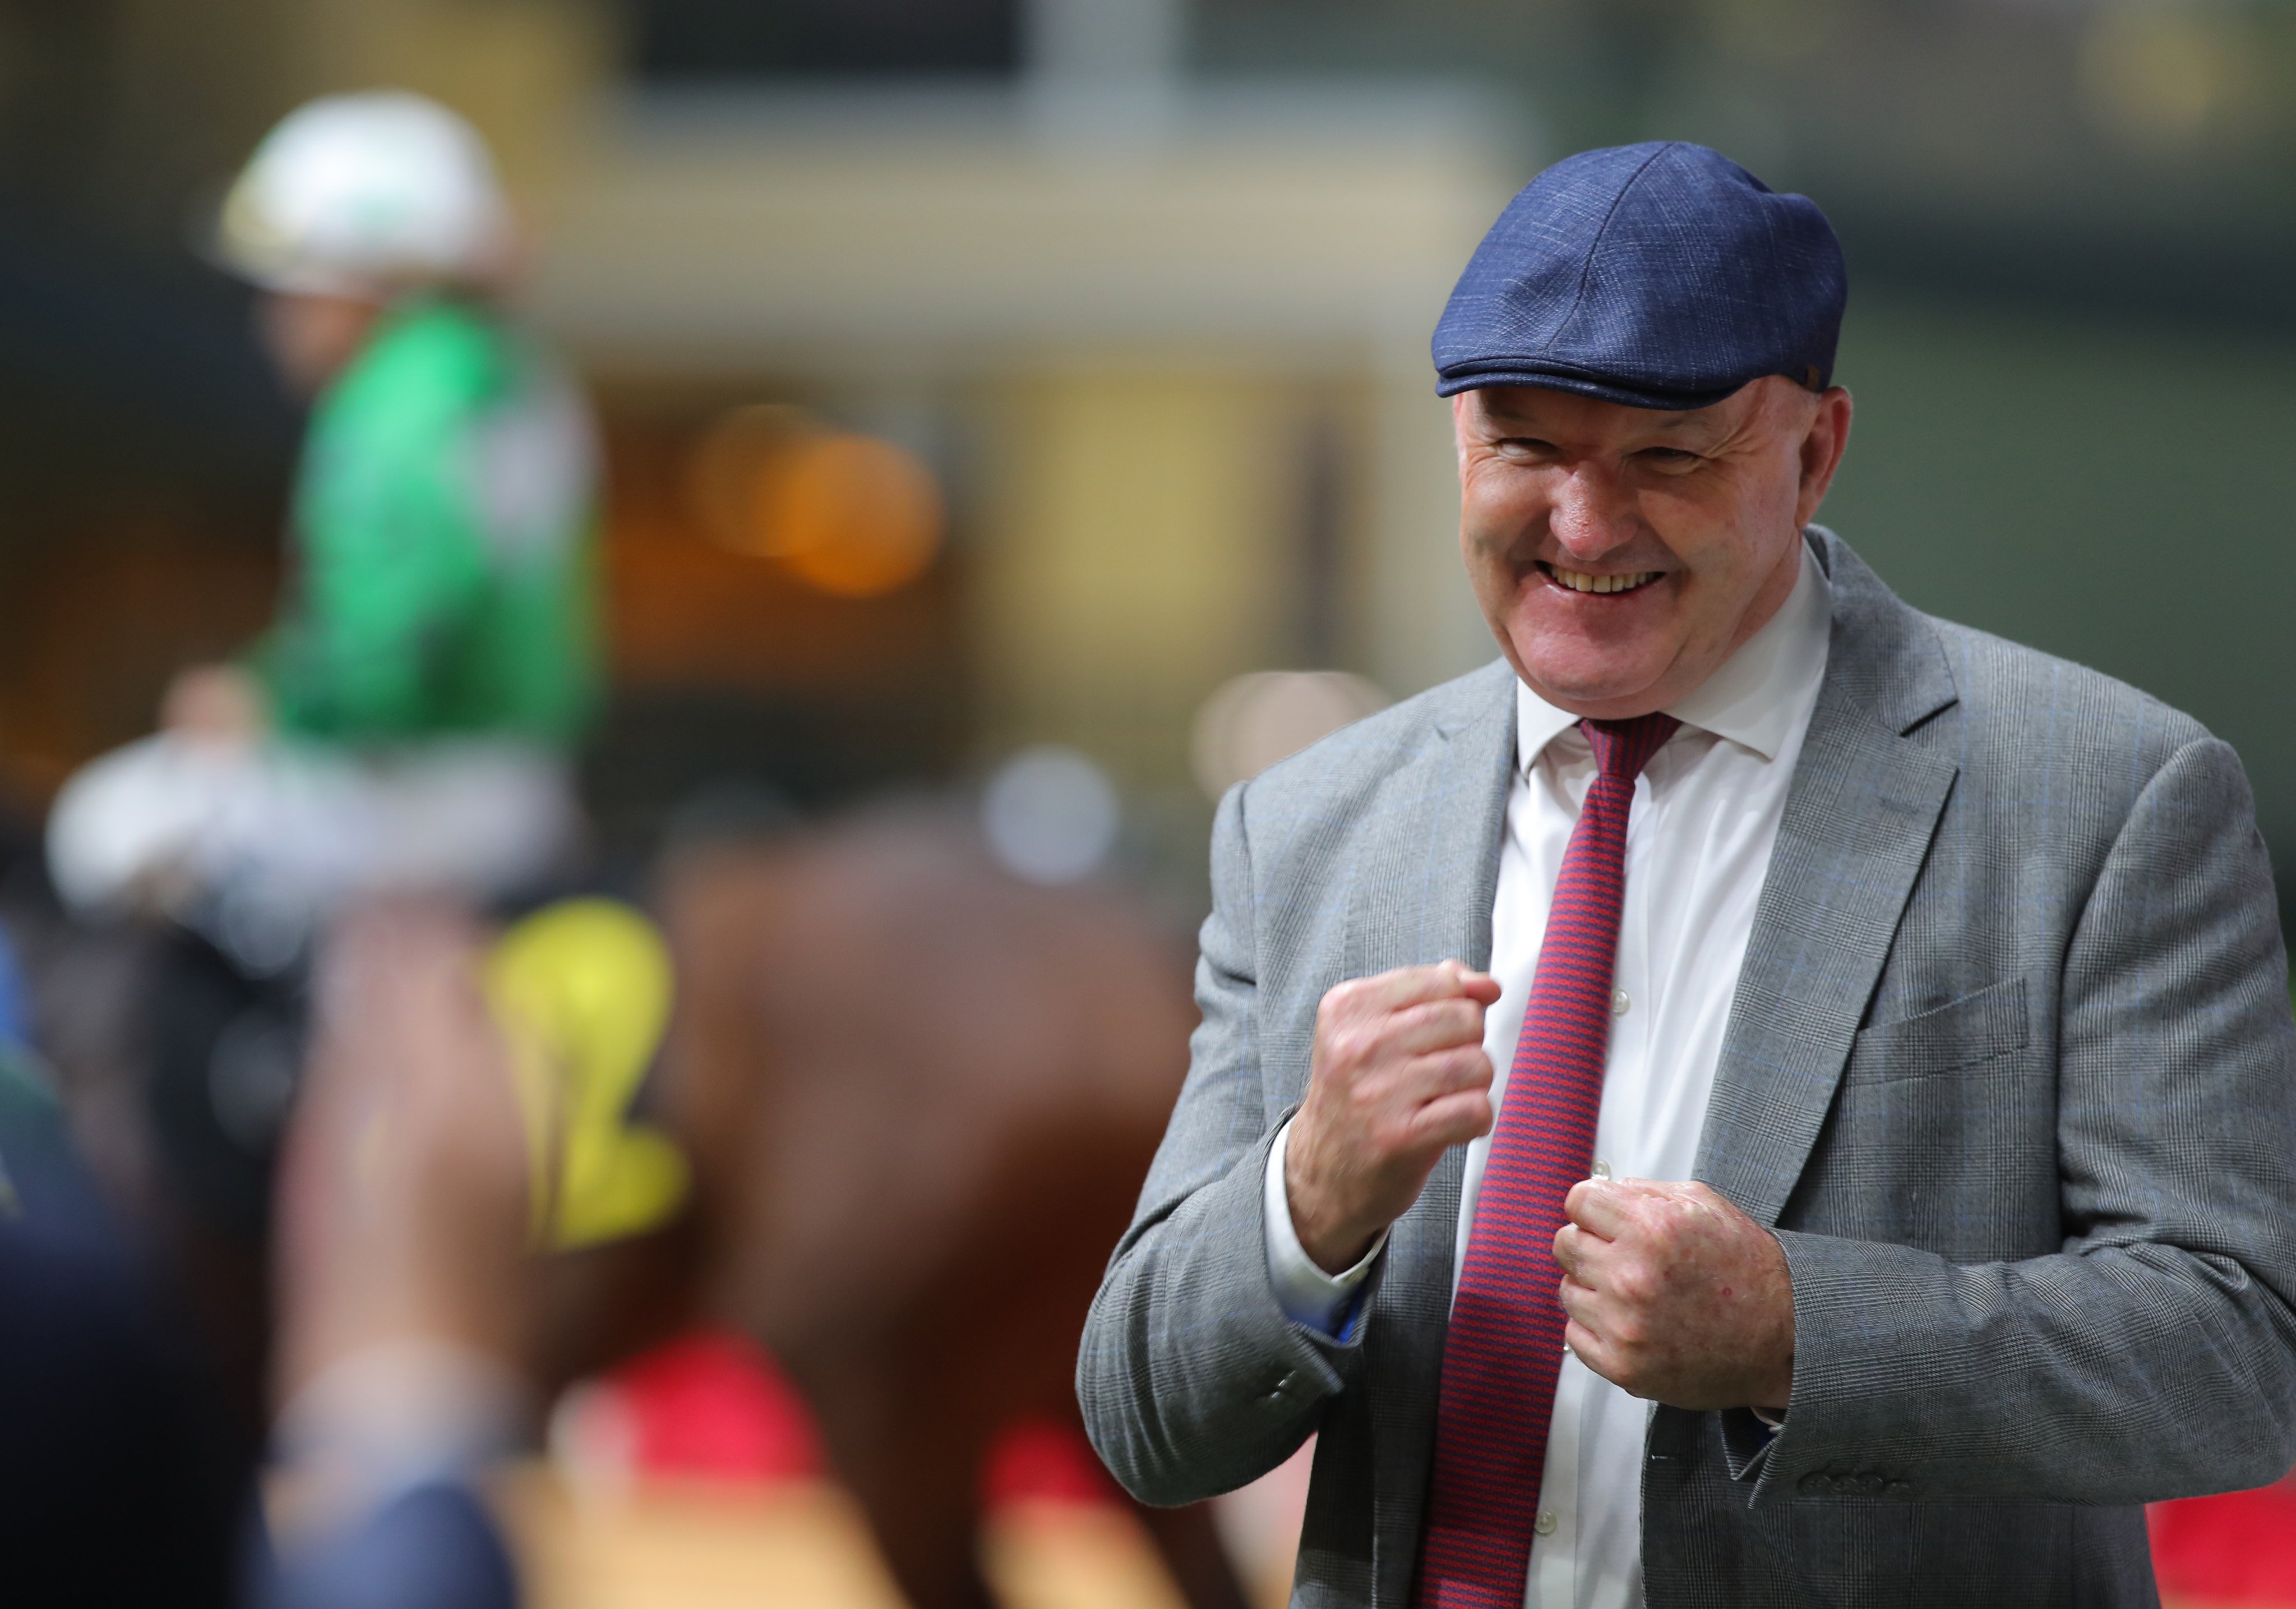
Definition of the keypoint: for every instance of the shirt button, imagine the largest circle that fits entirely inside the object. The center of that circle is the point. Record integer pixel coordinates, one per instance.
(1619, 1002)
(1602, 1169)
(1545, 1523)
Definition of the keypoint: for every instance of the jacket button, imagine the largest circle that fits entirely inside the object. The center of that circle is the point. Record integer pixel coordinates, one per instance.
(1845, 1486)
(1872, 1485)
(1813, 1484)
(1899, 1489)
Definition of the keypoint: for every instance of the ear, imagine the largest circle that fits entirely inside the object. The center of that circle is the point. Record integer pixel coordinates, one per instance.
(1828, 437)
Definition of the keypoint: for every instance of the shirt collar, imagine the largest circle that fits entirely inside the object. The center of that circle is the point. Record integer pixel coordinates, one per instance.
(1755, 699)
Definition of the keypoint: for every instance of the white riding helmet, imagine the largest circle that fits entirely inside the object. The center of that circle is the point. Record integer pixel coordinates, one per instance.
(359, 193)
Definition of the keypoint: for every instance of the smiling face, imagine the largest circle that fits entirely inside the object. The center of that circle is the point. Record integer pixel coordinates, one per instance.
(1621, 554)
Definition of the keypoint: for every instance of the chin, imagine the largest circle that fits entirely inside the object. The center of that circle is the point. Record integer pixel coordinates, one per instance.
(1583, 678)
(1604, 701)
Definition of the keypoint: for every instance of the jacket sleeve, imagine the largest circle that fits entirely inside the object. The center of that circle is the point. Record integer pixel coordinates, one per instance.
(2155, 1356)
(434, 1545)
(1191, 1380)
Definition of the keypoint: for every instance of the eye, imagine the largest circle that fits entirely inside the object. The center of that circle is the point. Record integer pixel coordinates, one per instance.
(1670, 460)
(1530, 447)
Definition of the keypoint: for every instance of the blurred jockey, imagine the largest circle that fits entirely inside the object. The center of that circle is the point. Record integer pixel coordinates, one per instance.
(409, 719)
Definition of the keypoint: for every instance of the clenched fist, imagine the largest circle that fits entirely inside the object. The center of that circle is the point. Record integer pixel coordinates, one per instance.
(1399, 1076)
(1675, 1294)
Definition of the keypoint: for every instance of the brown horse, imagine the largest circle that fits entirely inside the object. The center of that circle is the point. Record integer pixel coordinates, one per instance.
(920, 1096)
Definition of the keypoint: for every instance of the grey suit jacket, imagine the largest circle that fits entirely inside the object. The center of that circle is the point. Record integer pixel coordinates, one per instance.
(2010, 1069)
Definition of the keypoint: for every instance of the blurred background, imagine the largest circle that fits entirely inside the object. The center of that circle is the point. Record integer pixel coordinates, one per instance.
(994, 378)
(1142, 286)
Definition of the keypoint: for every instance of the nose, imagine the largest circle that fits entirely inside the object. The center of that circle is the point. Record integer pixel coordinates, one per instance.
(1590, 514)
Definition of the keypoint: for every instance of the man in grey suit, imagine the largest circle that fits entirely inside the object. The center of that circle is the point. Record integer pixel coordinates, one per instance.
(1763, 1096)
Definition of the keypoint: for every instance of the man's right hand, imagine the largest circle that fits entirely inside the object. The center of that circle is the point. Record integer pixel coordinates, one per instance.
(1399, 1076)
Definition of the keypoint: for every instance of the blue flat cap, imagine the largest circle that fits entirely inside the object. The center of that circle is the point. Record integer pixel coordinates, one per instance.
(1659, 275)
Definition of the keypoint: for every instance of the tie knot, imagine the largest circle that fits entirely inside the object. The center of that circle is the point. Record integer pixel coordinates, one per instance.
(1622, 748)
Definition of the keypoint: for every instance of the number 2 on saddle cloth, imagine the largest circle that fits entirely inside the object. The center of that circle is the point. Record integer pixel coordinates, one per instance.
(583, 990)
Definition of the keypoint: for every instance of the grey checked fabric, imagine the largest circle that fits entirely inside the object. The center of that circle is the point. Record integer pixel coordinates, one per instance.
(2010, 1068)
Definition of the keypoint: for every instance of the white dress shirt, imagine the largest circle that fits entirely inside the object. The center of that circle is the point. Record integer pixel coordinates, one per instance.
(1705, 816)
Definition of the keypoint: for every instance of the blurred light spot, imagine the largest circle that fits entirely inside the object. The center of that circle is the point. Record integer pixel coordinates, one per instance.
(726, 471)
(1051, 814)
(2165, 77)
(853, 516)
(1251, 723)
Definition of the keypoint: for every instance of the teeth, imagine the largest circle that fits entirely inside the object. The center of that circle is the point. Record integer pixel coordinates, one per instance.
(1579, 580)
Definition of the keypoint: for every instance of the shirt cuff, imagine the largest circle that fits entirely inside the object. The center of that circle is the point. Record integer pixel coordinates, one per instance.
(389, 1418)
(1307, 1294)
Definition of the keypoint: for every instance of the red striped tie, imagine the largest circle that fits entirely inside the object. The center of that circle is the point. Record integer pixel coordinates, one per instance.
(1505, 1344)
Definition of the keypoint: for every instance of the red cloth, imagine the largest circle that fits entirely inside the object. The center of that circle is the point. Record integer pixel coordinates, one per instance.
(1043, 1461)
(2239, 1548)
(713, 1404)
(1505, 1344)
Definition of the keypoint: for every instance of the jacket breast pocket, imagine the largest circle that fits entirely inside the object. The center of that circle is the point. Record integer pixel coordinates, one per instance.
(1990, 1025)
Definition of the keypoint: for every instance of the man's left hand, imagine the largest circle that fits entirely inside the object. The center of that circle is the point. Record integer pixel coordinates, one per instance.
(1676, 1296)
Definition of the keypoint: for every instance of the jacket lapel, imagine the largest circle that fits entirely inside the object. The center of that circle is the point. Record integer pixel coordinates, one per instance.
(1423, 893)
(1859, 817)
(1423, 889)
